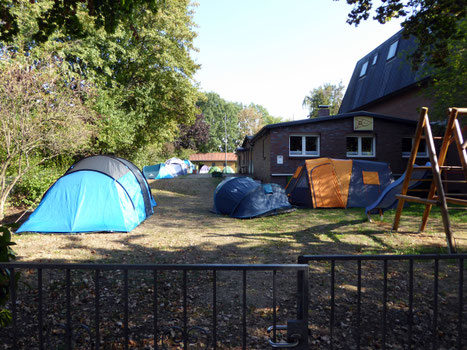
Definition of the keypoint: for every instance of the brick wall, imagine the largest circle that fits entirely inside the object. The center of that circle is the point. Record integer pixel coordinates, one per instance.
(333, 134)
(261, 154)
(406, 105)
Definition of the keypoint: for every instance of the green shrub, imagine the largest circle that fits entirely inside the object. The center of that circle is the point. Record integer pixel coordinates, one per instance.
(6, 254)
(34, 184)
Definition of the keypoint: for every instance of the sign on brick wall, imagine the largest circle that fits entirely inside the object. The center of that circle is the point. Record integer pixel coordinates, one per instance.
(363, 123)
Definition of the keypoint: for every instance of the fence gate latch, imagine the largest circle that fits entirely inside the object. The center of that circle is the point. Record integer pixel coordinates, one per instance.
(297, 335)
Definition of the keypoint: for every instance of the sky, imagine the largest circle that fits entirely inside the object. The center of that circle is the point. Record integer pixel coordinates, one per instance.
(274, 52)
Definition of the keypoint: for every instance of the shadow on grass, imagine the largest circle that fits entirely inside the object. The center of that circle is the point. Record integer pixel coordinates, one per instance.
(276, 242)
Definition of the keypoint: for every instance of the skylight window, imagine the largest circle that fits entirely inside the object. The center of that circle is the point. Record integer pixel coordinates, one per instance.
(392, 50)
(375, 58)
(364, 68)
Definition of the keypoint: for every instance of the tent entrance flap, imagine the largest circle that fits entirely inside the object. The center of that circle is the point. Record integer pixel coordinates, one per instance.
(325, 187)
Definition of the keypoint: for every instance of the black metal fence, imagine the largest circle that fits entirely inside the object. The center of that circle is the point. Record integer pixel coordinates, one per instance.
(387, 301)
(95, 306)
(348, 302)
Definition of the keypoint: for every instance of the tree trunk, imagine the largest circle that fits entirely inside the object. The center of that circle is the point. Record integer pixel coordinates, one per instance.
(2, 207)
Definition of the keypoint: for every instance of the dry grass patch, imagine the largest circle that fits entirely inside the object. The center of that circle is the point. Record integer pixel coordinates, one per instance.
(183, 230)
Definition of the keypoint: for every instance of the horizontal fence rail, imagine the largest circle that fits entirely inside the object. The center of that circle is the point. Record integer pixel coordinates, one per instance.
(387, 301)
(103, 306)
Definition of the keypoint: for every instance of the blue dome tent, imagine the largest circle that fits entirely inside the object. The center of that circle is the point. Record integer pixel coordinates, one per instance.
(244, 198)
(179, 166)
(158, 171)
(190, 165)
(98, 193)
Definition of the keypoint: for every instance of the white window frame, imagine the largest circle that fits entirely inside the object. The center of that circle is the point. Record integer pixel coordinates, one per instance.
(359, 152)
(392, 50)
(304, 136)
(364, 69)
(420, 154)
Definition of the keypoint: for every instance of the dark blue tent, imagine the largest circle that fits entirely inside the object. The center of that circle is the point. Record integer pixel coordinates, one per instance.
(244, 198)
(367, 182)
(98, 193)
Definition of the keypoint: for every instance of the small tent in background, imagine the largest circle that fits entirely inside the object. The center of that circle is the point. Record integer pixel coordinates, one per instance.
(244, 198)
(98, 193)
(338, 183)
(204, 169)
(214, 169)
(158, 171)
(179, 166)
(228, 170)
(190, 166)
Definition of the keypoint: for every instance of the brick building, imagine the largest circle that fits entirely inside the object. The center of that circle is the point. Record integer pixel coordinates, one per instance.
(273, 154)
(376, 121)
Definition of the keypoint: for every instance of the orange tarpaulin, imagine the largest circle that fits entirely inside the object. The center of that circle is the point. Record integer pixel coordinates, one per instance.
(370, 177)
(326, 189)
(334, 182)
(338, 183)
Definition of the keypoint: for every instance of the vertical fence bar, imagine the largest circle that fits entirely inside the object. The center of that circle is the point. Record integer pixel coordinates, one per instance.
(14, 312)
(96, 306)
(331, 325)
(156, 332)
(68, 309)
(185, 328)
(305, 297)
(40, 306)
(359, 300)
(244, 311)
(435, 306)
(410, 315)
(274, 315)
(214, 309)
(461, 303)
(385, 300)
(125, 297)
(304, 301)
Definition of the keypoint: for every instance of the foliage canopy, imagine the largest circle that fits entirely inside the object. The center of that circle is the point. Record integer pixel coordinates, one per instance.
(326, 94)
(433, 22)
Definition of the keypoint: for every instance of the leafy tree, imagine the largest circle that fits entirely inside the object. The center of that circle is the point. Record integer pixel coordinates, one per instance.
(326, 94)
(250, 121)
(65, 15)
(42, 117)
(220, 115)
(194, 136)
(448, 86)
(433, 22)
(140, 65)
(267, 118)
(6, 254)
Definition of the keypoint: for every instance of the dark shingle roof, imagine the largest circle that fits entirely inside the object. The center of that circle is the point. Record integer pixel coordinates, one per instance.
(384, 78)
(328, 119)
